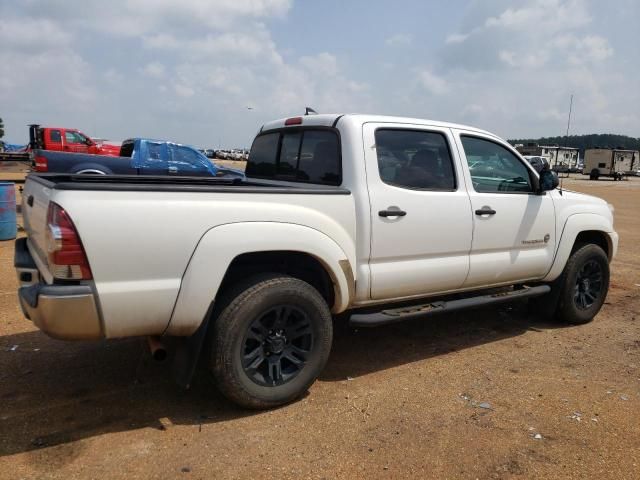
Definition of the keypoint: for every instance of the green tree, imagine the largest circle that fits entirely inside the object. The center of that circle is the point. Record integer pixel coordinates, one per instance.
(585, 141)
(1, 128)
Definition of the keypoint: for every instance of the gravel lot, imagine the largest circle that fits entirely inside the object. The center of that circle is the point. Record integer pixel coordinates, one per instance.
(403, 401)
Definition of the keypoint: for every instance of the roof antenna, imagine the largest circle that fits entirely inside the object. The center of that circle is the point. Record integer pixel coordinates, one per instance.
(566, 137)
(309, 110)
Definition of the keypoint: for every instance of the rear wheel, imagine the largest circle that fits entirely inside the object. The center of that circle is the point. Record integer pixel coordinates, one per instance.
(595, 174)
(584, 285)
(271, 341)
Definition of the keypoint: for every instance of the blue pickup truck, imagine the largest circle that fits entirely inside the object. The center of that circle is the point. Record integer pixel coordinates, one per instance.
(138, 156)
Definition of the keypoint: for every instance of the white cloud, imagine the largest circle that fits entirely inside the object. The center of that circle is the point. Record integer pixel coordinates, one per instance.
(26, 35)
(28, 61)
(456, 38)
(433, 83)
(154, 70)
(527, 60)
(184, 90)
(321, 64)
(399, 40)
(189, 69)
(543, 15)
(132, 18)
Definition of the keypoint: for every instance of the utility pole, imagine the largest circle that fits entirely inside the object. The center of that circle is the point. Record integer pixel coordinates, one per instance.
(566, 137)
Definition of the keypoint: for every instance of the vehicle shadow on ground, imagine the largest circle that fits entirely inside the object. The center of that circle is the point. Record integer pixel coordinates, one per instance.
(357, 352)
(54, 392)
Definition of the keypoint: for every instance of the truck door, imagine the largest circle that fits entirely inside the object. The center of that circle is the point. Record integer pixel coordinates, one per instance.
(420, 214)
(151, 158)
(75, 142)
(514, 232)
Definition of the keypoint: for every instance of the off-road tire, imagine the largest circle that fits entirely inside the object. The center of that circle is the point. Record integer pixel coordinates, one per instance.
(242, 306)
(569, 309)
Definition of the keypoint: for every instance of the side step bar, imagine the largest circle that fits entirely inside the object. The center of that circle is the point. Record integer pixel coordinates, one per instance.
(385, 317)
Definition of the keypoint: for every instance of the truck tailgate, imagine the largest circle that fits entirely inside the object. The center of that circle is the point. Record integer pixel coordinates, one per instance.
(35, 203)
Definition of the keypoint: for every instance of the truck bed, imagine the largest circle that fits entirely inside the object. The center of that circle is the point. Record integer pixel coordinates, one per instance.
(140, 233)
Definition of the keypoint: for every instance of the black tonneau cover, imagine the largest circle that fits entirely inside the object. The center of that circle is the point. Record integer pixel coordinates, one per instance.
(150, 183)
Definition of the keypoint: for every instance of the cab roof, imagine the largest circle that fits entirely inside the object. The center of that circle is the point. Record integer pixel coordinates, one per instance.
(334, 119)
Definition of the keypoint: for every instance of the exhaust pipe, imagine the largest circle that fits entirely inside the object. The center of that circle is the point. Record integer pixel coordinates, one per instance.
(157, 349)
(34, 141)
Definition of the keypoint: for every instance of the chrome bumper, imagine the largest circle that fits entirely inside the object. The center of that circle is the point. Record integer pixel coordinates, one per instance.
(67, 312)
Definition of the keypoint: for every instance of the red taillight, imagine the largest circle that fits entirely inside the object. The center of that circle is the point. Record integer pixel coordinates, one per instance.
(41, 164)
(67, 259)
(293, 121)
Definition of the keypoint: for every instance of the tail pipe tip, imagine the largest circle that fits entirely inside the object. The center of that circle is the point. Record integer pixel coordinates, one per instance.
(157, 349)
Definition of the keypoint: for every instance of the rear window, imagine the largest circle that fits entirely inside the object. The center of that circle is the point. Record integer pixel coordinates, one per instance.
(310, 156)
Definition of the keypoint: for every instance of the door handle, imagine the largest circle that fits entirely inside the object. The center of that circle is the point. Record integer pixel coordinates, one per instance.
(485, 211)
(392, 213)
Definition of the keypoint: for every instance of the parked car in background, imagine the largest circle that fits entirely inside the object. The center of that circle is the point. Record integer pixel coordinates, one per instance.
(137, 156)
(69, 140)
(245, 276)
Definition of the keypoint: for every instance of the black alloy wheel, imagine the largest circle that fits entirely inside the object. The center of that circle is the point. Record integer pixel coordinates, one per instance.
(582, 287)
(270, 339)
(277, 345)
(588, 286)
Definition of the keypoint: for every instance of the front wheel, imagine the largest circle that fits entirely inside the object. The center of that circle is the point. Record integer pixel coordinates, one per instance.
(270, 342)
(584, 285)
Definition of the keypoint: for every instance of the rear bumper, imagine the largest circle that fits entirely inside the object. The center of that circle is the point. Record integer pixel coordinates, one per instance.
(67, 312)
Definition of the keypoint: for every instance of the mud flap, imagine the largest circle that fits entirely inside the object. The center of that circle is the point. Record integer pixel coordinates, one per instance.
(187, 355)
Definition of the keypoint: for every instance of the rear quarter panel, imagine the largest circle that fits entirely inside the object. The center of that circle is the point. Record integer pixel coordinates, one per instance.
(139, 244)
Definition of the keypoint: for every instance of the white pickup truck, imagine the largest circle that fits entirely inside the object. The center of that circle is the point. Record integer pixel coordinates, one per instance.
(376, 218)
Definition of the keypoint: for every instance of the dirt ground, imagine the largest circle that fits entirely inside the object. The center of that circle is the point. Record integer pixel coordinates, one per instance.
(401, 401)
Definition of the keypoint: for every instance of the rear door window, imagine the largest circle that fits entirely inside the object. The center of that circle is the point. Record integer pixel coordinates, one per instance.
(415, 159)
(54, 136)
(305, 155)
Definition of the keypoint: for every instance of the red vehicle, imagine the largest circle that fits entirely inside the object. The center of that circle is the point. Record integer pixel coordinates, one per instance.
(68, 140)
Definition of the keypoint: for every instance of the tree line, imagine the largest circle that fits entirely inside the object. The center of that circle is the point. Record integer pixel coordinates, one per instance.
(583, 142)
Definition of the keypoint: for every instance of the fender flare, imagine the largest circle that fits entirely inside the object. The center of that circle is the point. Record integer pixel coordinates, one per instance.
(219, 246)
(575, 224)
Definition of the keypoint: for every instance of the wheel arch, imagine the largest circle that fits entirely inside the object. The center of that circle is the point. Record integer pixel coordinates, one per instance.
(582, 228)
(231, 251)
(91, 168)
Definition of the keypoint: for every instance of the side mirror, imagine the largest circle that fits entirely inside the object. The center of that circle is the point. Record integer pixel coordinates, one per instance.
(548, 180)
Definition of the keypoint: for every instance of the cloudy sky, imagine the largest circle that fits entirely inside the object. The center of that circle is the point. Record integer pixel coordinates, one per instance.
(188, 71)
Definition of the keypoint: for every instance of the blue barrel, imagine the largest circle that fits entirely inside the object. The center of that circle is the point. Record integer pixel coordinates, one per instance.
(8, 227)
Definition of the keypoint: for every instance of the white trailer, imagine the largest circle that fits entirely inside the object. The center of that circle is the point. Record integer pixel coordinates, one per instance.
(610, 162)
